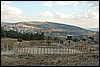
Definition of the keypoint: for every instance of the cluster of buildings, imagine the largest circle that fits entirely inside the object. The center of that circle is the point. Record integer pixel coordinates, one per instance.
(21, 29)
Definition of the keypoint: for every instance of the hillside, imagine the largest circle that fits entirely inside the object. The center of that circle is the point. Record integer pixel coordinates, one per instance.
(52, 27)
(93, 29)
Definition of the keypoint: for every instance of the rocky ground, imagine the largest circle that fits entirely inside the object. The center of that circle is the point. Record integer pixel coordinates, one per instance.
(90, 59)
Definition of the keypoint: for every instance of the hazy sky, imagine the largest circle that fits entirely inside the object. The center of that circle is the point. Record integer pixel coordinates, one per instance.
(78, 13)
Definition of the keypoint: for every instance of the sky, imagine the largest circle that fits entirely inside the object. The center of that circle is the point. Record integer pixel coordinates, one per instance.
(83, 14)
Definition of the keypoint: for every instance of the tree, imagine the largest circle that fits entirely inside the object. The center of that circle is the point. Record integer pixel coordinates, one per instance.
(24, 36)
(83, 39)
(31, 36)
(19, 39)
(49, 38)
(69, 37)
(55, 38)
(75, 39)
(61, 41)
(3, 33)
(41, 36)
(69, 42)
(48, 42)
(91, 38)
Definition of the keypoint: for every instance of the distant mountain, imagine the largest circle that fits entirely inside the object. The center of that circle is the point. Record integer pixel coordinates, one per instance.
(54, 28)
(93, 29)
(2, 23)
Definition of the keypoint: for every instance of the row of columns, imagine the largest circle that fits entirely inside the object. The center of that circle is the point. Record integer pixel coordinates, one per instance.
(45, 50)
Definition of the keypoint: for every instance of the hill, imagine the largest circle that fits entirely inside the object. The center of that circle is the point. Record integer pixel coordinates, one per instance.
(93, 29)
(48, 27)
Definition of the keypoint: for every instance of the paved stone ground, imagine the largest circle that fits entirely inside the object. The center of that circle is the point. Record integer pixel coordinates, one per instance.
(90, 59)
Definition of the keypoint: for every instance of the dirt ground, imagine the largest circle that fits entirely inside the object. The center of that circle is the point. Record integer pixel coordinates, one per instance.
(90, 59)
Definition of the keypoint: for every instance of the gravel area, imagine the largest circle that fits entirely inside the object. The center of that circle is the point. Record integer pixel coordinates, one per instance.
(90, 59)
